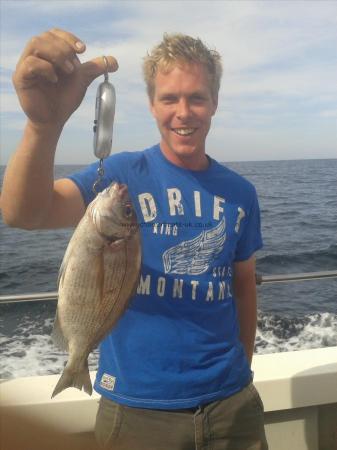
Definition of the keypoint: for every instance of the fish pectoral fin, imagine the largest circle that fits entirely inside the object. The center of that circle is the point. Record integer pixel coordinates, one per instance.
(57, 335)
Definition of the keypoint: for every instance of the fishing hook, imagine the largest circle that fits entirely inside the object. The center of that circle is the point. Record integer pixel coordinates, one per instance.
(100, 175)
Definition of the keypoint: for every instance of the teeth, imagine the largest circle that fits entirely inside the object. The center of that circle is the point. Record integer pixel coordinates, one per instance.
(184, 131)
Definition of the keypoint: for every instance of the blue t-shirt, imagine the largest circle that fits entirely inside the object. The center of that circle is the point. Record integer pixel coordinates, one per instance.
(177, 345)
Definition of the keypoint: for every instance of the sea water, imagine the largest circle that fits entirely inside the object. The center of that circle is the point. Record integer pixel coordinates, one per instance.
(298, 201)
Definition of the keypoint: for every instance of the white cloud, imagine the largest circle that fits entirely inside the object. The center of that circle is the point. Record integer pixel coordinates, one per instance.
(277, 55)
(328, 113)
(53, 7)
(9, 103)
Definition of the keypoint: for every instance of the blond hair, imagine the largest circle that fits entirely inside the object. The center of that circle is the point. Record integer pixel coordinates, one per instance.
(179, 49)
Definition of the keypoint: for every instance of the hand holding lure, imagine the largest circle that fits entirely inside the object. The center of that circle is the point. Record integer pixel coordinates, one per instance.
(103, 123)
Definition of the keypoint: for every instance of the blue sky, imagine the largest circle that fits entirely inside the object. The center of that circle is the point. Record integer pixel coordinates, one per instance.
(279, 92)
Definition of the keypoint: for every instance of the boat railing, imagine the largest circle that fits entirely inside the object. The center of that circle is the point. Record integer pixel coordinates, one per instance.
(285, 278)
(260, 280)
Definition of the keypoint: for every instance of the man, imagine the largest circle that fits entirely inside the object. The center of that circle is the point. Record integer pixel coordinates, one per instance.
(175, 372)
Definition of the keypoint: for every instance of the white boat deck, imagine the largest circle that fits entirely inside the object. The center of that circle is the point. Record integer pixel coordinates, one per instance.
(299, 391)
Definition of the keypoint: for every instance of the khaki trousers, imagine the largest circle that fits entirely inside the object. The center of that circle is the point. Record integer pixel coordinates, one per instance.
(234, 423)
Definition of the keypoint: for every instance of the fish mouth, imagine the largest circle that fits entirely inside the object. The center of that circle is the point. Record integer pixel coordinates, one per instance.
(120, 189)
(118, 211)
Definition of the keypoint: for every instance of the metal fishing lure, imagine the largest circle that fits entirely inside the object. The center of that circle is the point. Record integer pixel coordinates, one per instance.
(103, 123)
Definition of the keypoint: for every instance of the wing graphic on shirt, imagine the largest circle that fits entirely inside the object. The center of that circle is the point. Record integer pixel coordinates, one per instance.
(194, 257)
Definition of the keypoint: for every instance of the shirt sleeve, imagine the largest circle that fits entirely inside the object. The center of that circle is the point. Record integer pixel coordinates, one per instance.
(251, 239)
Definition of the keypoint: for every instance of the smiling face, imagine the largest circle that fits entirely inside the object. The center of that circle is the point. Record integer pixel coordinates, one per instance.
(183, 107)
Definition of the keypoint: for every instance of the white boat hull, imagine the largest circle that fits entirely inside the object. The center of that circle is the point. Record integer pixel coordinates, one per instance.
(299, 391)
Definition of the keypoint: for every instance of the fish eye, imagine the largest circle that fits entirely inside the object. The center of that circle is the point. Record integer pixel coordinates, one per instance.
(128, 211)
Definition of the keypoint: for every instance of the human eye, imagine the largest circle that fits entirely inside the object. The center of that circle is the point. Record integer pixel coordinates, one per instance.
(198, 99)
(168, 99)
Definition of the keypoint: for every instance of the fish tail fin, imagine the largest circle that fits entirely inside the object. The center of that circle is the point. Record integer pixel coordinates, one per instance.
(79, 379)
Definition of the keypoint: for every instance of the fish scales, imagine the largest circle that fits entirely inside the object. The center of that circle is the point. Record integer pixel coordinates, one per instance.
(131, 247)
(115, 276)
(98, 276)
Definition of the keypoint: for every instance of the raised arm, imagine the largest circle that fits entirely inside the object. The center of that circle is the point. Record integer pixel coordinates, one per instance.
(50, 82)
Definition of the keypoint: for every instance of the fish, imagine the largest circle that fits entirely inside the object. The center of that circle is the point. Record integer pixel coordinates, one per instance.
(98, 276)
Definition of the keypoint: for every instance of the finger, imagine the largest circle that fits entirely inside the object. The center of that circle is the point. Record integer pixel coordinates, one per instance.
(96, 67)
(71, 39)
(58, 52)
(57, 47)
(33, 68)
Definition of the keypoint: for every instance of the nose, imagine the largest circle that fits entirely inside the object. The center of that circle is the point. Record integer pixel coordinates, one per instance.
(183, 109)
